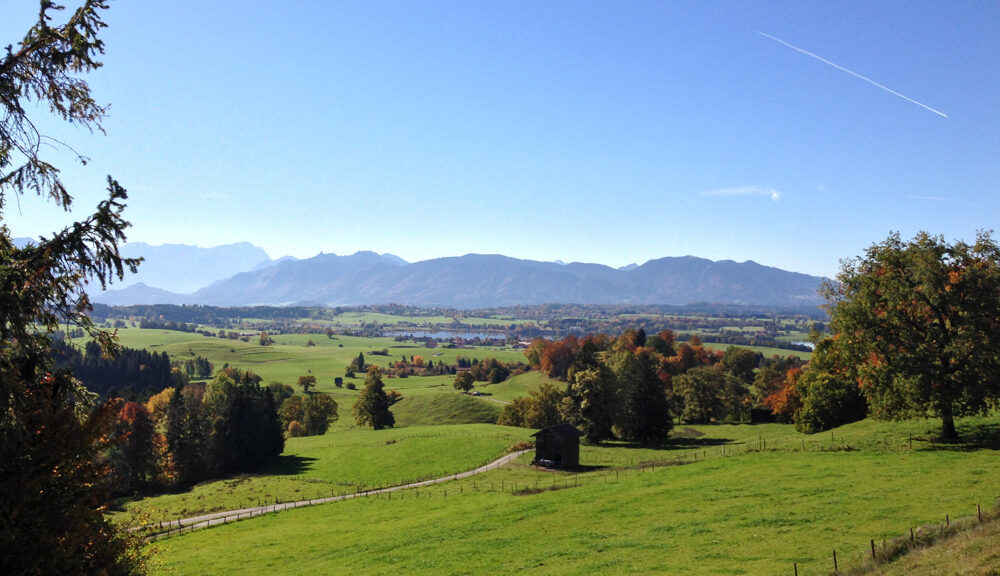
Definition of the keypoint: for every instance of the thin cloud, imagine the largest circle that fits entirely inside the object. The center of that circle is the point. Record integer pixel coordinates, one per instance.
(930, 198)
(216, 196)
(855, 74)
(746, 191)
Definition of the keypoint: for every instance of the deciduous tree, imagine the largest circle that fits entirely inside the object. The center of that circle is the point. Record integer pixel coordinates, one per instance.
(319, 410)
(917, 325)
(307, 382)
(464, 381)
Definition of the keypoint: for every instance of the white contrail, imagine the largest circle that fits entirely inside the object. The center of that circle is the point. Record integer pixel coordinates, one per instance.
(855, 74)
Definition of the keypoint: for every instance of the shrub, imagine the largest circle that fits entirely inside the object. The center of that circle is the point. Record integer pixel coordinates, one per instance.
(296, 429)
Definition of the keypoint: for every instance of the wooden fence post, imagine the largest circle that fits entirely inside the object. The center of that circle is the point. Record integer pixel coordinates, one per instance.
(835, 560)
(873, 548)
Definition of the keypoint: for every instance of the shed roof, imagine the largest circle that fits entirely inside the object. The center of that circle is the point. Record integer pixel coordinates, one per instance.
(560, 431)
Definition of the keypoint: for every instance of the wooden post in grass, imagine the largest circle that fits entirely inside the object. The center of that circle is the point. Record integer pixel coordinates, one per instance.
(911, 534)
(947, 521)
(835, 560)
(873, 548)
(796, 566)
(979, 512)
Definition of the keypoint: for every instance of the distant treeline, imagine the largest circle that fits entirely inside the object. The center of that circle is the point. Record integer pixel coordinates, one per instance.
(208, 315)
(130, 374)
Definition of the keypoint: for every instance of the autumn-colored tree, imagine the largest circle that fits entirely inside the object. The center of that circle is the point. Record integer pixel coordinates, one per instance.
(534, 352)
(157, 405)
(917, 324)
(662, 343)
(296, 429)
(786, 401)
(137, 450)
(558, 357)
(631, 339)
(307, 382)
(590, 352)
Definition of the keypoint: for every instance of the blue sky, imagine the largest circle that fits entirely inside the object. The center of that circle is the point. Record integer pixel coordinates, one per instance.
(609, 132)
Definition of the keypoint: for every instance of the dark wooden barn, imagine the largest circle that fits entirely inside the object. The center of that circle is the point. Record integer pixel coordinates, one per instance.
(558, 446)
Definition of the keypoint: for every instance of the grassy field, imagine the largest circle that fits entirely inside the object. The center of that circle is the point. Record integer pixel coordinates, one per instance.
(342, 461)
(292, 356)
(767, 351)
(774, 498)
(517, 386)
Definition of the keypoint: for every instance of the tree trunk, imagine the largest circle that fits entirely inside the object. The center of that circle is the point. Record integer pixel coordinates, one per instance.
(948, 431)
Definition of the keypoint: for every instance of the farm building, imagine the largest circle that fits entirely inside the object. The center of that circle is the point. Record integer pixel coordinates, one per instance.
(558, 446)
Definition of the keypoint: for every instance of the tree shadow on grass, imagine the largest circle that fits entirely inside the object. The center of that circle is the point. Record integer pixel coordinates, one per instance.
(288, 465)
(670, 444)
(972, 437)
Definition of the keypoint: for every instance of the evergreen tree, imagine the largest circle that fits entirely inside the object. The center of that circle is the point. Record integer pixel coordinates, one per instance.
(184, 437)
(134, 458)
(244, 429)
(372, 406)
(51, 486)
(645, 412)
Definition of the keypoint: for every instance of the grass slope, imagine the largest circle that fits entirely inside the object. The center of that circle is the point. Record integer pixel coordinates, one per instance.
(771, 501)
(343, 460)
(974, 552)
(517, 386)
(454, 408)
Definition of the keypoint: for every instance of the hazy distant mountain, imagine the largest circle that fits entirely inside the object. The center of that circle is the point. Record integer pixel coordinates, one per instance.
(139, 294)
(182, 268)
(317, 280)
(269, 263)
(477, 280)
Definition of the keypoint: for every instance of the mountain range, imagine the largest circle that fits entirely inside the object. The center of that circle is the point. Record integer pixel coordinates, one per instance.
(470, 281)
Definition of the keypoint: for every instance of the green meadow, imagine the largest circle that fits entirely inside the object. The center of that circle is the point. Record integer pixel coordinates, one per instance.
(719, 499)
(726, 499)
(326, 358)
(345, 460)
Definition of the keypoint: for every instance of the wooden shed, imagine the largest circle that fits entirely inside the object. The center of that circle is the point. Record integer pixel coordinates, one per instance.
(558, 446)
